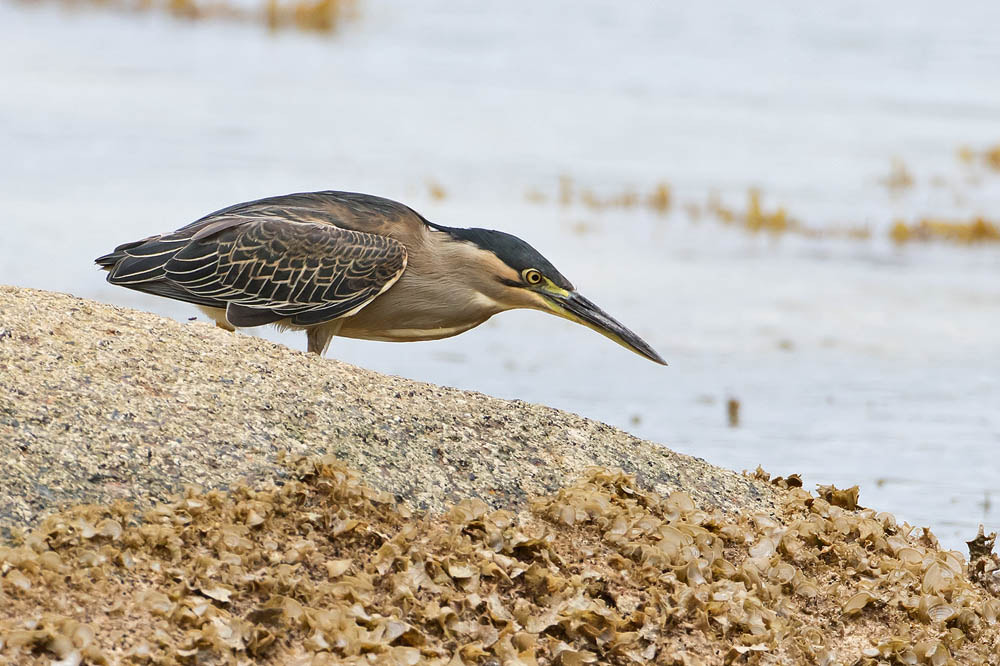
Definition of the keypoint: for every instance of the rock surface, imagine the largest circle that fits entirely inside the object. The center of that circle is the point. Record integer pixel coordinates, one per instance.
(673, 562)
(99, 403)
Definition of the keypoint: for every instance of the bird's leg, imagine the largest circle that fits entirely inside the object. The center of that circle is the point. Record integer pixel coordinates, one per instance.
(319, 336)
(218, 315)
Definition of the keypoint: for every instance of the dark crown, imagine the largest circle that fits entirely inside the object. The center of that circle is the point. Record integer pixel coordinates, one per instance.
(509, 249)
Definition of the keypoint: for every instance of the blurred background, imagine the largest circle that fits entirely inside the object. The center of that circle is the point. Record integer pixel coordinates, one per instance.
(797, 206)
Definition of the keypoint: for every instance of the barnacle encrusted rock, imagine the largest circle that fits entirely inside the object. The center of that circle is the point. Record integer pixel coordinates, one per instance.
(475, 531)
(99, 403)
(326, 570)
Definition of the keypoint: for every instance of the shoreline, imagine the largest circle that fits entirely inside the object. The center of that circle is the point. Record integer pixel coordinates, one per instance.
(100, 403)
(179, 494)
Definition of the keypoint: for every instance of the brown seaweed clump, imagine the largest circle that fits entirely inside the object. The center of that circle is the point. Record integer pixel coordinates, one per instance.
(659, 199)
(757, 219)
(990, 156)
(324, 570)
(971, 232)
(322, 16)
(899, 177)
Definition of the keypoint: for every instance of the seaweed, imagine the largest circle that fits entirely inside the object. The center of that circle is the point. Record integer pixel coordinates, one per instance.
(324, 569)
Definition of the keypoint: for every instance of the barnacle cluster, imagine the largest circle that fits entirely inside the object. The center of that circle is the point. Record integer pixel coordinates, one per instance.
(323, 569)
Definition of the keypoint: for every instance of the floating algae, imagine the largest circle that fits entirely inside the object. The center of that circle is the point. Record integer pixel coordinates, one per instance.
(306, 15)
(973, 231)
(990, 157)
(899, 177)
(756, 218)
(659, 199)
(326, 570)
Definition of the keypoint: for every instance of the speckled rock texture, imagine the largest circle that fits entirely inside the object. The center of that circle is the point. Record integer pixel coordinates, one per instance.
(99, 403)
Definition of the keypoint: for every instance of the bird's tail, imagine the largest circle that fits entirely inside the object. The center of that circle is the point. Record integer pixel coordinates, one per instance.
(109, 260)
(140, 261)
(140, 265)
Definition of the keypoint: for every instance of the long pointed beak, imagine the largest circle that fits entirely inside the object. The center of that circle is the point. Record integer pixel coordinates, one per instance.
(576, 308)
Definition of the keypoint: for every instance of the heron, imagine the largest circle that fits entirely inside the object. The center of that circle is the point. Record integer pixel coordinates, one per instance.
(351, 265)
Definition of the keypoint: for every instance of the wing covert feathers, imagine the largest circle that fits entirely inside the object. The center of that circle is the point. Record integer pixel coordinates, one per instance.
(313, 272)
(263, 269)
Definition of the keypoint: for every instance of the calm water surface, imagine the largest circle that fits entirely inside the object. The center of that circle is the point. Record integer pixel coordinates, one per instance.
(855, 362)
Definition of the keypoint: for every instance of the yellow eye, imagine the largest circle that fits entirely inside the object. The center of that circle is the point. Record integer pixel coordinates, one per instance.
(531, 276)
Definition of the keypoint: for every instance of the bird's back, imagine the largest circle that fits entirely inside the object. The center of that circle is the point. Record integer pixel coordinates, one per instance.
(348, 210)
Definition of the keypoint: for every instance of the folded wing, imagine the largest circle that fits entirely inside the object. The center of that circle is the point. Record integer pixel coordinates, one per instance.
(264, 269)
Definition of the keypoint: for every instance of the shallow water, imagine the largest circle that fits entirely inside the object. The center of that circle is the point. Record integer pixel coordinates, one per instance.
(854, 362)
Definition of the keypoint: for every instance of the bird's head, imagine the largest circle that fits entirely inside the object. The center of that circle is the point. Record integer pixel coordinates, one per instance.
(521, 277)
